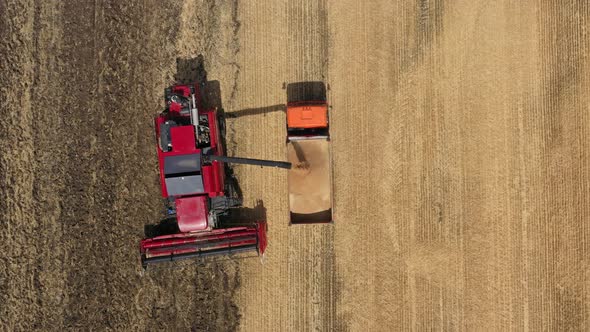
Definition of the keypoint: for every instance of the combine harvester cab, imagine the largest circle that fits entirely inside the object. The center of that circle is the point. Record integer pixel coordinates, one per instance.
(193, 182)
(308, 150)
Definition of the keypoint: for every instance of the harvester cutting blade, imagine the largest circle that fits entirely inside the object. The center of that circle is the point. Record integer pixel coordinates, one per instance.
(181, 246)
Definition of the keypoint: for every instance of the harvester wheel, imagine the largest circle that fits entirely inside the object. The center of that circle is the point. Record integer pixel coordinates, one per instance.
(222, 204)
(232, 188)
(221, 123)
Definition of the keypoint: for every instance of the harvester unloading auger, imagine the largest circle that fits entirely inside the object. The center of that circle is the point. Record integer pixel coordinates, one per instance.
(193, 179)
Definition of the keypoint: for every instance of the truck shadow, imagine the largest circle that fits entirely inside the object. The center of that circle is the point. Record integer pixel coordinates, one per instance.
(296, 92)
(306, 91)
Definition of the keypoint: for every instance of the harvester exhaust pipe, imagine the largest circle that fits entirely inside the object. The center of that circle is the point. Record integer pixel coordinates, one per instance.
(248, 161)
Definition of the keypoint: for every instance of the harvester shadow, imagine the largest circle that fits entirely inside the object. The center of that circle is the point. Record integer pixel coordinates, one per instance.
(191, 70)
(242, 216)
(256, 111)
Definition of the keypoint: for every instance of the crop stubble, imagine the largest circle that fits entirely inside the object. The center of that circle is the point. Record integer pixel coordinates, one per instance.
(460, 140)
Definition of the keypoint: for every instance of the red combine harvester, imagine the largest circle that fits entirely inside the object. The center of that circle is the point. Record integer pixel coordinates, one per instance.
(194, 181)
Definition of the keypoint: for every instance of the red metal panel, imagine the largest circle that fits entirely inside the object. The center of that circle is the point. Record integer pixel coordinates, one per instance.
(183, 139)
(207, 174)
(174, 108)
(261, 235)
(211, 179)
(218, 170)
(158, 122)
(212, 117)
(217, 179)
(191, 213)
(183, 90)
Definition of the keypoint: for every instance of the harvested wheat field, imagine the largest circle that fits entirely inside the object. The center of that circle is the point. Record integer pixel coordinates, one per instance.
(460, 135)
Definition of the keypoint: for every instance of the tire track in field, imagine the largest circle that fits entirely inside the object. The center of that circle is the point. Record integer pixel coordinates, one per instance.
(49, 274)
(17, 178)
(88, 180)
(311, 262)
(209, 30)
(558, 229)
(262, 61)
(392, 166)
(292, 290)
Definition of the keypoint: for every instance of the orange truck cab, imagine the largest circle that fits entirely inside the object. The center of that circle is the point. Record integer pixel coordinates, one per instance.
(308, 150)
(307, 116)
